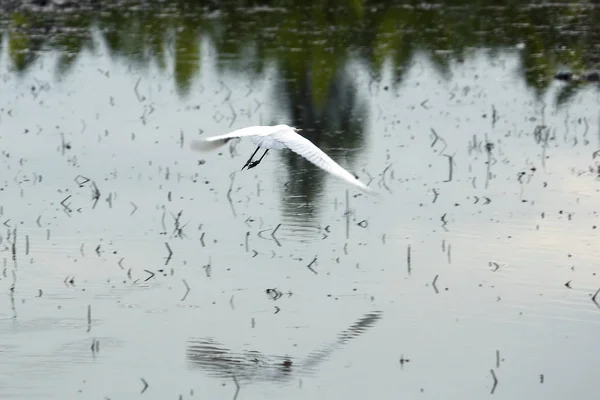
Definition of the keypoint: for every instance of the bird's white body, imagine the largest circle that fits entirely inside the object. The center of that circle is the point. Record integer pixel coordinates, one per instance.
(281, 137)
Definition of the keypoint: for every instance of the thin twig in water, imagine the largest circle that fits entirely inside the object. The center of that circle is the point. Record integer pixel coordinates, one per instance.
(383, 183)
(145, 385)
(369, 175)
(273, 235)
(495, 381)
(232, 177)
(66, 206)
(170, 253)
(178, 231)
(347, 214)
(497, 358)
(444, 222)
(135, 89)
(208, 268)
(12, 300)
(64, 145)
(237, 387)
(309, 266)
(489, 146)
(151, 275)
(95, 194)
(437, 137)
(14, 248)
(89, 317)
(434, 286)
(187, 290)
(594, 298)
(233, 113)
(450, 168)
(162, 221)
(408, 259)
(81, 180)
(223, 85)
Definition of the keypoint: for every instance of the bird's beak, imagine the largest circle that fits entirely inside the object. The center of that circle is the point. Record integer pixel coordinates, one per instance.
(298, 129)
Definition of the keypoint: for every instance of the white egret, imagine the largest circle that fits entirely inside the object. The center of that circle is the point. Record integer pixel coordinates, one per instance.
(280, 137)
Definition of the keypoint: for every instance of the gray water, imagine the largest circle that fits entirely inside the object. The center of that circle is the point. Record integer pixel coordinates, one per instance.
(478, 261)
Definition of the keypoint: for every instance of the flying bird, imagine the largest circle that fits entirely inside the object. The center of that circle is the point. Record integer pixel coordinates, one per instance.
(281, 137)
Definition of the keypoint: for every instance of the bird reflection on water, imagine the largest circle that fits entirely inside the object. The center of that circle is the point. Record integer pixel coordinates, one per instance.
(207, 354)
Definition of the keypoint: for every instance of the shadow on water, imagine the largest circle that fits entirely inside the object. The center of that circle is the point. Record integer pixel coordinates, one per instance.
(209, 355)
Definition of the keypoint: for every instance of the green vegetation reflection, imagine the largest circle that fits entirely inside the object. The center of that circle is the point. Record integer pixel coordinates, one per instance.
(311, 44)
(317, 35)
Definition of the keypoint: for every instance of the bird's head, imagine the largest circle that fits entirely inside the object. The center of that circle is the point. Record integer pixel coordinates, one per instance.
(297, 130)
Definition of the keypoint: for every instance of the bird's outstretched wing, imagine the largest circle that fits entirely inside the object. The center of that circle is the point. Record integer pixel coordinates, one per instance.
(214, 142)
(305, 148)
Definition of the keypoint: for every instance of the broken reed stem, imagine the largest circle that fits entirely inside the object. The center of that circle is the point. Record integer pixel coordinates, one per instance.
(408, 259)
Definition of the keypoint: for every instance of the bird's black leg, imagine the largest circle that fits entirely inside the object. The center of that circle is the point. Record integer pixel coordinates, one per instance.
(255, 163)
(251, 157)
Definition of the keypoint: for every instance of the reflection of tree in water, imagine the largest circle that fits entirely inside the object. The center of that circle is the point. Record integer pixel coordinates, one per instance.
(24, 45)
(337, 124)
(553, 36)
(312, 41)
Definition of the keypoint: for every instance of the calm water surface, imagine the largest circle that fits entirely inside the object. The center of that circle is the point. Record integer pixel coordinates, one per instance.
(478, 261)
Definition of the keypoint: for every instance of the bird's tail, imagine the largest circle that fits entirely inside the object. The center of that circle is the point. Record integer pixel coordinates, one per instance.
(204, 145)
